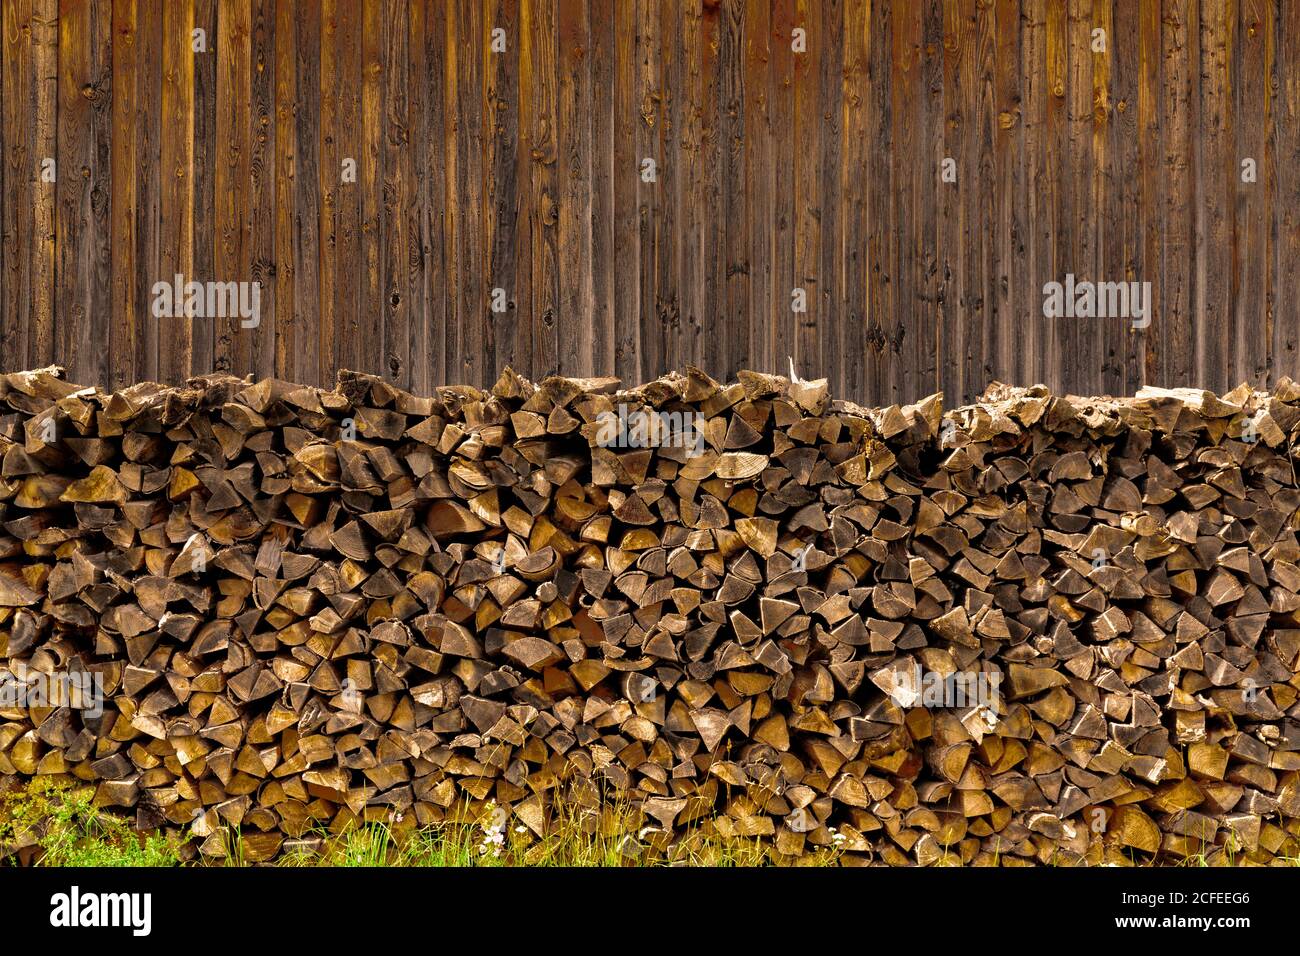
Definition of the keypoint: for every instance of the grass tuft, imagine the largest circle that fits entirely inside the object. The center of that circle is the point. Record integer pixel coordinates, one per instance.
(55, 823)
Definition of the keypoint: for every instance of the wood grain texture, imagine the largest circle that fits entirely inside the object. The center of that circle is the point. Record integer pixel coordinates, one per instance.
(520, 165)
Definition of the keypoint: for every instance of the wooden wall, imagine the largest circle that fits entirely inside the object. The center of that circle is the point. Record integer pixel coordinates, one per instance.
(775, 169)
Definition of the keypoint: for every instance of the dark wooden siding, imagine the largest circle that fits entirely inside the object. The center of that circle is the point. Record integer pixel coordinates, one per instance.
(774, 170)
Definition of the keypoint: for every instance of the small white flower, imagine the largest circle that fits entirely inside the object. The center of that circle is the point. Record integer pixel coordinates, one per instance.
(520, 829)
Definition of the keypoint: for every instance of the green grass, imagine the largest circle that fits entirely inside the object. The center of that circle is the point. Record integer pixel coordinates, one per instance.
(59, 825)
(53, 823)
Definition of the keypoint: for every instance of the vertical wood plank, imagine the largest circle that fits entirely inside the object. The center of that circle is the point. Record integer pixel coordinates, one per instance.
(261, 184)
(176, 202)
(923, 348)
(626, 175)
(370, 179)
(1055, 184)
(908, 329)
(232, 342)
(1079, 216)
(650, 341)
(434, 215)
(805, 140)
(84, 184)
(715, 154)
(859, 77)
(44, 28)
(1252, 300)
(769, 184)
(573, 179)
(979, 361)
(307, 235)
(6, 237)
(1015, 327)
(344, 321)
(880, 290)
(950, 228)
(508, 332)
(733, 101)
(540, 26)
(125, 343)
(145, 128)
(1119, 189)
(604, 264)
(692, 181)
(829, 361)
(340, 80)
(1285, 341)
(286, 150)
(205, 157)
(1150, 158)
(1179, 294)
(1217, 360)
(398, 176)
(21, 181)
(658, 351)
(420, 84)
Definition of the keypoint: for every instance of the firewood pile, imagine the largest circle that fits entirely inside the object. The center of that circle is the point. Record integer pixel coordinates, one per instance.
(1037, 629)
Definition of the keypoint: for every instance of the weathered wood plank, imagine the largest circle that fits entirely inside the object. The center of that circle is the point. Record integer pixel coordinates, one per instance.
(1179, 294)
(261, 183)
(1015, 329)
(854, 195)
(539, 31)
(1081, 338)
(883, 235)
(692, 182)
(206, 155)
(21, 180)
(573, 180)
(650, 202)
(715, 153)
(1217, 358)
(373, 309)
(343, 157)
(83, 187)
(810, 229)
(909, 328)
(176, 203)
(124, 338)
(232, 340)
(1151, 184)
(1252, 300)
(307, 232)
(340, 175)
(509, 331)
(286, 148)
(433, 153)
(626, 176)
(397, 188)
(1285, 340)
(830, 221)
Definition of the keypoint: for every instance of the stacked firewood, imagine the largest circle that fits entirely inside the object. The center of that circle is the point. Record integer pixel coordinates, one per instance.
(1037, 629)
